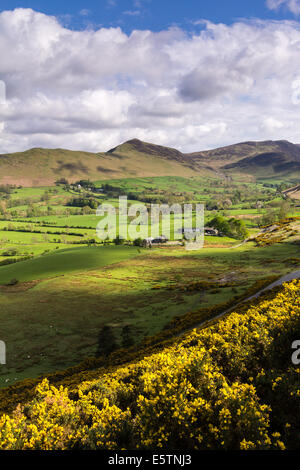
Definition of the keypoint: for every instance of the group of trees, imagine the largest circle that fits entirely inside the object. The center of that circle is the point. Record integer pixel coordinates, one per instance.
(150, 195)
(107, 341)
(83, 202)
(244, 195)
(86, 184)
(276, 214)
(231, 227)
(7, 188)
(62, 182)
(32, 204)
(81, 184)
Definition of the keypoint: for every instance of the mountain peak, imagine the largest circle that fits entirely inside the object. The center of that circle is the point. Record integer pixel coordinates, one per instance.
(136, 145)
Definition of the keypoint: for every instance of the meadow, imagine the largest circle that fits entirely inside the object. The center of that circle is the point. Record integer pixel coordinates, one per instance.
(60, 285)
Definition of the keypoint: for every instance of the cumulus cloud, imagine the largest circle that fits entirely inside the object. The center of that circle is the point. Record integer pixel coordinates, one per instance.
(93, 89)
(292, 5)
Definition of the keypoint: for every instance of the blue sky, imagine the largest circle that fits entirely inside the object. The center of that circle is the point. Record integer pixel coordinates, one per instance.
(155, 15)
(90, 75)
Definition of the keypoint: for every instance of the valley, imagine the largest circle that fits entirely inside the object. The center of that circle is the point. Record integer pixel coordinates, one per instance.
(69, 301)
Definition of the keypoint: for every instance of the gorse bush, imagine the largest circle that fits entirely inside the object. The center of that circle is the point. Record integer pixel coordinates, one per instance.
(229, 386)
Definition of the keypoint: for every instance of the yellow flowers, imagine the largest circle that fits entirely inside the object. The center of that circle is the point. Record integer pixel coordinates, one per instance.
(225, 387)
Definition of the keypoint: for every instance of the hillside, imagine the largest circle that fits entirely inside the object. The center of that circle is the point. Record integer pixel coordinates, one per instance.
(192, 394)
(260, 159)
(41, 167)
(62, 262)
(231, 154)
(293, 193)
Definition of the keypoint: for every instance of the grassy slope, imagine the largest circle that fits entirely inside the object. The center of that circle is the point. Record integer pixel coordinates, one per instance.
(42, 167)
(54, 323)
(64, 262)
(191, 393)
(38, 167)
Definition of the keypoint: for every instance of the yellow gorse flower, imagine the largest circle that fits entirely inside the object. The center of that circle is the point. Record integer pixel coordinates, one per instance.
(204, 392)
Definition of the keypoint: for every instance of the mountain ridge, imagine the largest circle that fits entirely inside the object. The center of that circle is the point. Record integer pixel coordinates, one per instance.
(252, 159)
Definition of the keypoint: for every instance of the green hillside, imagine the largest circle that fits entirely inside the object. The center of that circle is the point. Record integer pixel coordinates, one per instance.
(42, 167)
(267, 159)
(65, 261)
(189, 395)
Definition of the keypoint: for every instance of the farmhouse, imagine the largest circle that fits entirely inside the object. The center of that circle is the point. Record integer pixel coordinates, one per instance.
(154, 241)
(209, 231)
(212, 232)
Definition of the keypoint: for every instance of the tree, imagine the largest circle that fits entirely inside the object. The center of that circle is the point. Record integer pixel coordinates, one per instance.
(221, 224)
(284, 209)
(106, 341)
(86, 210)
(61, 181)
(138, 242)
(232, 227)
(118, 240)
(212, 205)
(127, 336)
(45, 196)
(238, 228)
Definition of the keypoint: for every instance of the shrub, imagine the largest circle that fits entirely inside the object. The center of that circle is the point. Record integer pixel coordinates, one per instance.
(192, 394)
(13, 282)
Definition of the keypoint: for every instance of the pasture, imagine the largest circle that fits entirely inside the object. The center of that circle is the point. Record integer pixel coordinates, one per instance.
(54, 304)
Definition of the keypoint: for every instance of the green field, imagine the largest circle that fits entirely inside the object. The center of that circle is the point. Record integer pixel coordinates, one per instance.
(65, 261)
(54, 304)
(54, 322)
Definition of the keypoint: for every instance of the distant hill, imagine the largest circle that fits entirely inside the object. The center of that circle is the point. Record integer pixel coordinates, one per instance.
(259, 159)
(40, 167)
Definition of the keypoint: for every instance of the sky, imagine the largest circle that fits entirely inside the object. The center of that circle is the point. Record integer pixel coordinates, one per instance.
(190, 74)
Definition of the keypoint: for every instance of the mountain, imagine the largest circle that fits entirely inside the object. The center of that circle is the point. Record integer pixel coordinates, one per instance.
(259, 159)
(38, 167)
(134, 158)
(281, 159)
(41, 167)
(146, 148)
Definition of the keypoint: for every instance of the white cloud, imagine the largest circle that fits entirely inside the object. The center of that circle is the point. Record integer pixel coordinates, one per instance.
(132, 12)
(94, 89)
(270, 124)
(84, 12)
(292, 5)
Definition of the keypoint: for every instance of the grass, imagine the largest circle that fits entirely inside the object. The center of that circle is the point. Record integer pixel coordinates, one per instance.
(84, 221)
(54, 323)
(64, 262)
(51, 319)
(42, 167)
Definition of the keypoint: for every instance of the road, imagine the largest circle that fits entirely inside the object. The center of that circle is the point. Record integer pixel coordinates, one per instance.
(281, 280)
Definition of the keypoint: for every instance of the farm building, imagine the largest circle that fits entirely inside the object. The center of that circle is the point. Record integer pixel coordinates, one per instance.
(213, 232)
(154, 241)
(209, 231)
